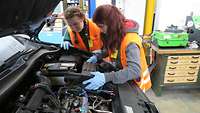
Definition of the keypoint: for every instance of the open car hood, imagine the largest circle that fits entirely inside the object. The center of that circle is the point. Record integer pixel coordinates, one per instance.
(20, 14)
(37, 78)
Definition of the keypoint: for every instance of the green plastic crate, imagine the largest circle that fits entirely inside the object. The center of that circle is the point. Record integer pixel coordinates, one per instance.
(168, 39)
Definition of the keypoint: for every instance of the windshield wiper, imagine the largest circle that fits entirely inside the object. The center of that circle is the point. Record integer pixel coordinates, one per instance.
(12, 60)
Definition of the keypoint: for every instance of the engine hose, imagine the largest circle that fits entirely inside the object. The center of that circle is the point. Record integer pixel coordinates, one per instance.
(36, 99)
(41, 89)
(34, 102)
(45, 83)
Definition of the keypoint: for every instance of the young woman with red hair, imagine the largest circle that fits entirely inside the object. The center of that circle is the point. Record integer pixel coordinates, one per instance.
(124, 48)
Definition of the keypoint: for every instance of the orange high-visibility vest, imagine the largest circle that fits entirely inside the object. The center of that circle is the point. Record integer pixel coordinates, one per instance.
(145, 81)
(94, 40)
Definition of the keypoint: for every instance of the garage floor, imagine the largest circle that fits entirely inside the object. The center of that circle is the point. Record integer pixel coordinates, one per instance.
(176, 100)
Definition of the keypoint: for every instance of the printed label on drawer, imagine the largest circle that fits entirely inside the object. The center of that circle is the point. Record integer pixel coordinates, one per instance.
(180, 79)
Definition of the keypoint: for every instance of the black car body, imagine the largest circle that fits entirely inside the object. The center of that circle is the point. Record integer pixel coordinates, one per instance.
(29, 69)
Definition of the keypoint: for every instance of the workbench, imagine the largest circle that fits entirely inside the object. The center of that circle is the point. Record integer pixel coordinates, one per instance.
(175, 67)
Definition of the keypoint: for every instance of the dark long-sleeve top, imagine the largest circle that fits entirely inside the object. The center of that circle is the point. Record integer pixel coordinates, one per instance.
(84, 33)
(132, 71)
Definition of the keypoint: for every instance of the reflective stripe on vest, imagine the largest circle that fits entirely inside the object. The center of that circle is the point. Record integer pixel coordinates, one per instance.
(94, 41)
(145, 82)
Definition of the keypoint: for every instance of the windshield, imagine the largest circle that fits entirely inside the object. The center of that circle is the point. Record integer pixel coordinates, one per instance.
(52, 32)
(9, 46)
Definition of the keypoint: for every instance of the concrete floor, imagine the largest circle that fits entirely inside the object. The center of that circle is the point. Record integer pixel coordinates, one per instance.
(176, 100)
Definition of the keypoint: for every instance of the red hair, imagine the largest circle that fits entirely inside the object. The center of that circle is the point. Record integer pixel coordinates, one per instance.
(114, 19)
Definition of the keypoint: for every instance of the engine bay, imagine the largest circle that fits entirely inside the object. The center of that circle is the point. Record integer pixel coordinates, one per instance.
(43, 95)
(44, 98)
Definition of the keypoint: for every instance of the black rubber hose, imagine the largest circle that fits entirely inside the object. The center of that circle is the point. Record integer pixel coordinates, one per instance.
(36, 99)
(34, 102)
(39, 93)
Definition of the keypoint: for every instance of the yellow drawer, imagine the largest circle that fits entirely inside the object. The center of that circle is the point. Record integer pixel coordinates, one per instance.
(180, 79)
(182, 62)
(194, 56)
(184, 57)
(182, 67)
(181, 73)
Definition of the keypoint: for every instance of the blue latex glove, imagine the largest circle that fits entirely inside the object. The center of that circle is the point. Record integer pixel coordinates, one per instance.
(97, 81)
(92, 59)
(65, 45)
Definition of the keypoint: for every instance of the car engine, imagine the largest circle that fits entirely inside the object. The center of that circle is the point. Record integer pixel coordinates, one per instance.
(42, 99)
(69, 95)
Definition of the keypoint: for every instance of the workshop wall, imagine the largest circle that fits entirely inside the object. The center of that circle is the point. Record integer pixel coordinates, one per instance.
(132, 9)
(174, 12)
(135, 9)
